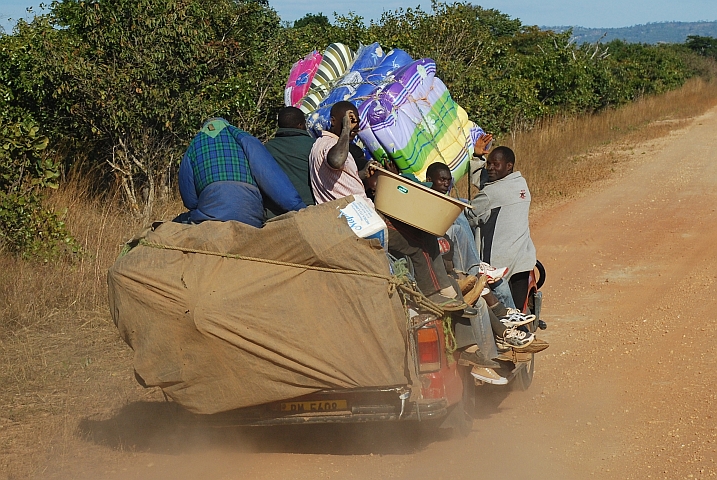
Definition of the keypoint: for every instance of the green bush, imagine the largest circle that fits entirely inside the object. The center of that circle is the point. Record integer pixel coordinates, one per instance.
(26, 226)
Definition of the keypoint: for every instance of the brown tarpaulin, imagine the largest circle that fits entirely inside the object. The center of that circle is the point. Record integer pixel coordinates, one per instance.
(220, 333)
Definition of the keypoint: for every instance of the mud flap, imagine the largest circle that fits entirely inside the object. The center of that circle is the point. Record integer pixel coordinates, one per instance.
(460, 418)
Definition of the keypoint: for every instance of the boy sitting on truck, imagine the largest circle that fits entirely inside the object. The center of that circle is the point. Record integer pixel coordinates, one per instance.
(465, 257)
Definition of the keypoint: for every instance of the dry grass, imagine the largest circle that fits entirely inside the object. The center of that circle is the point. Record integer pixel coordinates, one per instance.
(62, 362)
(60, 354)
(35, 293)
(563, 156)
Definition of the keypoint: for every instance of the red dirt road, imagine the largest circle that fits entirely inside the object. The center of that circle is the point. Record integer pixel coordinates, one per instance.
(626, 389)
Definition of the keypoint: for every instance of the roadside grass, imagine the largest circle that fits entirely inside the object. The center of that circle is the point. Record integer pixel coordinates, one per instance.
(62, 362)
(60, 356)
(562, 156)
(565, 155)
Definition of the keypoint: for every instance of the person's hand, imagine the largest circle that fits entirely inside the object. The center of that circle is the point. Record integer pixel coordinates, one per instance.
(392, 167)
(369, 169)
(370, 184)
(372, 166)
(349, 123)
(481, 147)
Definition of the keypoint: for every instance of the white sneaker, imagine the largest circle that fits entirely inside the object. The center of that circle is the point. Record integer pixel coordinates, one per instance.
(514, 338)
(491, 272)
(515, 318)
(488, 375)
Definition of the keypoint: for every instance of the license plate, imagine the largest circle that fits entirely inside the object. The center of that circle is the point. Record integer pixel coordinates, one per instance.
(318, 406)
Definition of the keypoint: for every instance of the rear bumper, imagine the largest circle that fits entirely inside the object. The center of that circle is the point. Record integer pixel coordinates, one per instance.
(414, 411)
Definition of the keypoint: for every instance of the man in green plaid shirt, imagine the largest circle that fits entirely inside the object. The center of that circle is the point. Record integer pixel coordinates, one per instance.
(225, 174)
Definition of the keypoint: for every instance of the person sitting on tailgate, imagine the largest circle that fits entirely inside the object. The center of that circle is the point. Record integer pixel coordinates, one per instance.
(224, 173)
(464, 254)
(500, 210)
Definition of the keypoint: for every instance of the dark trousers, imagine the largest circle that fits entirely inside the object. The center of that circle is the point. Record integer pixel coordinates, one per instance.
(519, 288)
(422, 248)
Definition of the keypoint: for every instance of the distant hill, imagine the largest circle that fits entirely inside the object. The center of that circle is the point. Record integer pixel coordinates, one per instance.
(669, 32)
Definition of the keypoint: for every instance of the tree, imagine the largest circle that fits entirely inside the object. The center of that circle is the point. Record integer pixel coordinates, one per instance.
(139, 77)
(705, 46)
(312, 19)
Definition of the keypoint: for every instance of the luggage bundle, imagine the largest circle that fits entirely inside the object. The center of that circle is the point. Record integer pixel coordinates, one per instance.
(222, 315)
(406, 113)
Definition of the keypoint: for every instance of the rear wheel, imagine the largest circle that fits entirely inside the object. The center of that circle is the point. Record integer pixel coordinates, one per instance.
(459, 421)
(464, 424)
(524, 377)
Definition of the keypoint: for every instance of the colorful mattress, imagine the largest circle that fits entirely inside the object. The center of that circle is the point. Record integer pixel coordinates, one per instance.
(371, 69)
(336, 60)
(415, 122)
(406, 112)
(300, 78)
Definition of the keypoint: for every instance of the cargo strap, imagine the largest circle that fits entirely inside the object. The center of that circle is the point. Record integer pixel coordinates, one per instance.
(394, 282)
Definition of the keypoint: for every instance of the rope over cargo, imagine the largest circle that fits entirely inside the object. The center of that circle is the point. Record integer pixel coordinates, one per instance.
(394, 282)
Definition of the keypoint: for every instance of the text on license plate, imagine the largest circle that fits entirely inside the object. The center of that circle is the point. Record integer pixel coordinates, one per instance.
(318, 406)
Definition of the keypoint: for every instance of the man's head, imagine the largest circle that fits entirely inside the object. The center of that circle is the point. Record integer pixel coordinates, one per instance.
(338, 111)
(291, 117)
(440, 175)
(500, 163)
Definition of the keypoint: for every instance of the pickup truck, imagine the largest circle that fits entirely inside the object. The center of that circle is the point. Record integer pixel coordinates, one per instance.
(447, 396)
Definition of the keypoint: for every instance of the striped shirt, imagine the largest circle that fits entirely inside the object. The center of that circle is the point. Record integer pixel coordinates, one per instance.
(328, 183)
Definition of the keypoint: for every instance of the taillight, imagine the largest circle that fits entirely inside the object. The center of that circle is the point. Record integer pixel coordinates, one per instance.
(429, 349)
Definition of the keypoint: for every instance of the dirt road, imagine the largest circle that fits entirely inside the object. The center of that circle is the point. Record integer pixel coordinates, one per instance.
(624, 391)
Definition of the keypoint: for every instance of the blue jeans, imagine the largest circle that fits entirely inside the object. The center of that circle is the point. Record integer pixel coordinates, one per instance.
(466, 258)
(465, 254)
(502, 292)
(482, 331)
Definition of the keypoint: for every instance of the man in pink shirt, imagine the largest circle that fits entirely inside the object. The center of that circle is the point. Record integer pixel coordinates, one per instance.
(333, 171)
(334, 175)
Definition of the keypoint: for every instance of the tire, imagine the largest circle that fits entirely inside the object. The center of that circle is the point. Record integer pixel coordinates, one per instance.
(541, 273)
(463, 423)
(459, 421)
(456, 424)
(465, 427)
(428, 429)
(524, 377)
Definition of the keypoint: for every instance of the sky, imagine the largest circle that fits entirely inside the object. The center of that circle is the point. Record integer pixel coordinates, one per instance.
(583, 13)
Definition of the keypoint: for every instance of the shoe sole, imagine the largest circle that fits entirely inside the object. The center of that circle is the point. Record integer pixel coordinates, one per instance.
(492, 381)
(521, 323)
(453, 308)
(535, 348)
(505, 346)
(468, 285)
(466, 363)
(450, 306)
